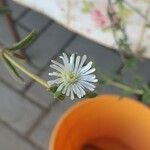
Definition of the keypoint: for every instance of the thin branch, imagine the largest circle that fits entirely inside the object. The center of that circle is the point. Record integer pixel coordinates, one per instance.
(120, 85)
(141, 38)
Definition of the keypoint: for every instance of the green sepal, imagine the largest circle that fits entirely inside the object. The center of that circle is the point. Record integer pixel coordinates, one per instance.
(53, 89)
(146, 95)
(90, 95)
(59, 95)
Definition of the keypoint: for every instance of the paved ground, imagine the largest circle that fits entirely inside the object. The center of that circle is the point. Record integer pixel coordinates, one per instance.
(28, 113)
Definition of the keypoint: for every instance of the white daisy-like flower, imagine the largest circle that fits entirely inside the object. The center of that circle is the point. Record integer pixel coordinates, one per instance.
(74, 76)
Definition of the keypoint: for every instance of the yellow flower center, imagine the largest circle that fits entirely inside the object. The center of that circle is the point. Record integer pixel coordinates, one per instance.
(71, 77)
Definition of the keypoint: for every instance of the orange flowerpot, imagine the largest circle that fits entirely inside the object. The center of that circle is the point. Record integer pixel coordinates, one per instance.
(103, 123)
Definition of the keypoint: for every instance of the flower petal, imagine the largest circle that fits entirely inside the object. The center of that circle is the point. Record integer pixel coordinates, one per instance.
(88, 85)
(57, 68)
(83, 59)
(89, 78)
(58, 64)
(65, 89)
(72, 59)
(89, 71)
(56, 81)
(60, 87)
(81, 88)
(54, 74)
(72, 94)
(65, 60)
(77, 63)
(86, 67)
(77, 91)
(94, 80)
(68, 91)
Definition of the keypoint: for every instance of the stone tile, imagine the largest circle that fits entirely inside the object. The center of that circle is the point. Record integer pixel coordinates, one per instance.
(17, 110)
(109, 89)
(5, 35)
(10, 141)
(39, 94)
(34, 21)
(101, 56)
(48, 44)
(22, 32)
(5, 75)
(42, 133)
(15, 8)
(144, 69)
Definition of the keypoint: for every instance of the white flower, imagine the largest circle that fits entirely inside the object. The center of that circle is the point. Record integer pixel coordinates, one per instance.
(74, 76)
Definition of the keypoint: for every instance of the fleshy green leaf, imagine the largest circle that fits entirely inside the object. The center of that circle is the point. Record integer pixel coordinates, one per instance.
(57, 94)
(13, 72)
(23, 43)
(146, 97)
(4, 10)
(131, 63)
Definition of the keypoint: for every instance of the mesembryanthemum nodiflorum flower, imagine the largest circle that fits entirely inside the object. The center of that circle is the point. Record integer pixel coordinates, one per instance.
(74, 76)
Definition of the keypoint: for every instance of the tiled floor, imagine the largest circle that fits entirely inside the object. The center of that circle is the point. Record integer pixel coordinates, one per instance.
(28, 112)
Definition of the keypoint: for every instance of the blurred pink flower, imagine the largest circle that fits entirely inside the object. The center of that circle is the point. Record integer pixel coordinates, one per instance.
(99, 18)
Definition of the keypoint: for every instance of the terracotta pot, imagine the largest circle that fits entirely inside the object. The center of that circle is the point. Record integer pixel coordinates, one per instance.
(103, 123)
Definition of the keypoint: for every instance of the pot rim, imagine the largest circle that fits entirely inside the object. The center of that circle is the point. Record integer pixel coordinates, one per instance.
(80, 104)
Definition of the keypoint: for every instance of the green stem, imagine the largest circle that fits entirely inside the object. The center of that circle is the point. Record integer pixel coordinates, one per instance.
(44, 83)
(24, 70)
(121, 85)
